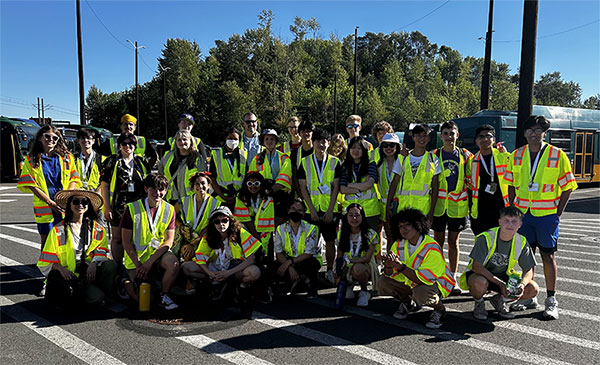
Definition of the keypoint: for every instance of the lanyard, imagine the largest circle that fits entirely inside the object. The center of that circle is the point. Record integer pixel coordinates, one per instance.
(322, 167)
(128, 169)
(152, 221)
(356, 246)
(535, 163)
(198, 215)
(87, 164)
(389, 172)
(231, 165)
(491, 170)
(255, 204)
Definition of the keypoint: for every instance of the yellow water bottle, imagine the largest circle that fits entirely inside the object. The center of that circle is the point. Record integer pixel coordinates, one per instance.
(144, 297)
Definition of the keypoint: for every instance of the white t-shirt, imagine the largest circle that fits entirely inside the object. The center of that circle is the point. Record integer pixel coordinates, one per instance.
(415, 161)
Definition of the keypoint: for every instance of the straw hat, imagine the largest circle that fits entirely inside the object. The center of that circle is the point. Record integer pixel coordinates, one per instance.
(62, 196)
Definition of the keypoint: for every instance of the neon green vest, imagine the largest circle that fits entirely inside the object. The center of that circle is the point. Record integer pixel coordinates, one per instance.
(414, 191)
(454, 203)
(183, 185)
(284, 235)
(140, 148)
(320, 201)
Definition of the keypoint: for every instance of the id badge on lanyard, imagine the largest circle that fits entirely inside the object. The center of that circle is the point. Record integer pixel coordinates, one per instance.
(152, 222)
(492, 186)
(534, 187)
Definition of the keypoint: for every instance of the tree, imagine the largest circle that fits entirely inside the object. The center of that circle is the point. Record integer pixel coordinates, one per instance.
(550, 89)
(593, 102)
(104, 110)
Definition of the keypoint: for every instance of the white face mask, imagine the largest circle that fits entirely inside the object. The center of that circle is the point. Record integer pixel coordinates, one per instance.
(231, 143)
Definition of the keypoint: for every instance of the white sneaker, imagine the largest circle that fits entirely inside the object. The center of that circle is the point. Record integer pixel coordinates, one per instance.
(349, 292)
(479, 312)
(167, 302)
(500, 306)
(329, 276)
(551, 311)
(363, 298)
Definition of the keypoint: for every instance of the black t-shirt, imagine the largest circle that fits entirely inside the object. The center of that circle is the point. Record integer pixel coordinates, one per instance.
(304, 153)
(337, 173)
(492, 203)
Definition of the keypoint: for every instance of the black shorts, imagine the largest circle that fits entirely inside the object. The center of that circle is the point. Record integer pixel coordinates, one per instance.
(491, 286)
(327, 230)
(454, 224)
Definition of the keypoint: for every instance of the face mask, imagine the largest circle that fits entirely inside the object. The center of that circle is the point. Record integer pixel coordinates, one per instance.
(231, 143)
(295, 216)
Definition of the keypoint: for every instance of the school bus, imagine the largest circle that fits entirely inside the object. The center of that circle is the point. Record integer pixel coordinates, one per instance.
(16, 135)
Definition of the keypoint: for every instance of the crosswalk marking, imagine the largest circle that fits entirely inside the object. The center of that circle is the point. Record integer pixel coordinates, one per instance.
(222, 350)
(339, 343)
(20, 241)
(63, 339)
(19, 228)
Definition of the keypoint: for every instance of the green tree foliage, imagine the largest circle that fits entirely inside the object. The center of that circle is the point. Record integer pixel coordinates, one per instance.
(403, 78)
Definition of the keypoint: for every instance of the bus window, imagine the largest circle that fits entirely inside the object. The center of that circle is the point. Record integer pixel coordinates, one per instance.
(561, 139)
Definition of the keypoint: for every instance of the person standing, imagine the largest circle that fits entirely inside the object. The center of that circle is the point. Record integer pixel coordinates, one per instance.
(540, 182)
(305, 129)
(89, 163)
(295, 140)
(186, 124)
(250, 142)
(228, 167)
(353, 128)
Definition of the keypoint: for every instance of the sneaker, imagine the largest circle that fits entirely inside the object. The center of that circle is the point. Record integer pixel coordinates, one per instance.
(551, 310)
(292, 287)
(330, 277)
(349, 292)
(402, 311)
(167, 303)
(500, 306)
(190, 287)
(436, 320)
(266, 296)
(479, 312)
(312, 293)
(521, 305)
(42, 292)
(363, 298)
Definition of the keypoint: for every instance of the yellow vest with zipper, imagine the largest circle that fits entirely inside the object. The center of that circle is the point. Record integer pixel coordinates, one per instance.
(225, 175)
(285, 170)
(93, 182)
(320, 201)
(284, 236)
(415, 191)
(183, 185)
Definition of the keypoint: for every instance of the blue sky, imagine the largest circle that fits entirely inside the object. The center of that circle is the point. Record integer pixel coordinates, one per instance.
(38, 54)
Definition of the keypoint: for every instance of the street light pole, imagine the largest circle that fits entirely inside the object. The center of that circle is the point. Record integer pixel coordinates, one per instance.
(487, 63)
(164, 77)
(137, 85)
(355, 66)
(82, 120)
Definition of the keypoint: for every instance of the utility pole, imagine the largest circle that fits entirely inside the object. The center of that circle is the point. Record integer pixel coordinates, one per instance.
(43, 117)
(137, 85)
(355, 66)
(335, 101)
(487, 64)
(527, 69)
(82, 120)
(38, 108)
(164, 77)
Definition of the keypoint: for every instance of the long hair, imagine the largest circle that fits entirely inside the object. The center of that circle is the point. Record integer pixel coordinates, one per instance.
(338, 138)
(345, 231)
(412, 216)
(37, 149)
(89, 217)
(213, 237)
(364, 160)
(382, 154)
(236, 150)
(245, 195)
(193, 155)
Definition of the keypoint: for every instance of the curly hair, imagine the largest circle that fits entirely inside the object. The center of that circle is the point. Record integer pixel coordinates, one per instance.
(213, 237)
(338, 138)
(35, 153)
(245, 195)
(345, 231)
(412, 216)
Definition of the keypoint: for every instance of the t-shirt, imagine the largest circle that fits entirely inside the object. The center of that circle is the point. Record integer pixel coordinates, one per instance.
(494, 202)
(337, 173)
(415, 161)
(303, 153)
(51, 169)
(451, 163)
(311, 242)
(252, 146)
(498, 263)
(127, 222)
(372, 172)
(224, 258)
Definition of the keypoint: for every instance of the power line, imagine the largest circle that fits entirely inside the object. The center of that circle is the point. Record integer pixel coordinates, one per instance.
(423, 17)
(144, 62)
(105, 27)
(554, 34)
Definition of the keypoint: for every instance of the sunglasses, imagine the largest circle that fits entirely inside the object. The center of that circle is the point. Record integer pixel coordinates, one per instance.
(250, 121)
(51, 137)
(125, 143)
(388, 145)
(83, 201)
(252, 183)
(351, 126)
(221, 221)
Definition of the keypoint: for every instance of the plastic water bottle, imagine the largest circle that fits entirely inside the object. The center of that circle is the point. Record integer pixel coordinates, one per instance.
(144, 297)
(513, 283)
(340, 295)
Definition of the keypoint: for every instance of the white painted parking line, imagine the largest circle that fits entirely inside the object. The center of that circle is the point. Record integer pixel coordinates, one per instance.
(7, 200)
(559, 255)
(20, 241)
(27, 270)
(222, 350)
(329, 340)
(61, 338)
(586, 316)
(7, 187)
(20, 228)
(559, 337)
(15, 194)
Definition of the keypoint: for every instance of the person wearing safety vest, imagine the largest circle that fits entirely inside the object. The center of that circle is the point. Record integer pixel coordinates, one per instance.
(228, 168)
(356, 245)
(319, 184)
(148, 228)
(389, 168)
(487, 184)
(48, 168)
(295, 140)
(192, 216)
(498, 253)
(142, 149)
(74, 259)
(357, 183)
(255, 209)
(121, 182)
(353, 128)
(276, 167)
(225, 255)
(540, 182)
(379, 130)
(452, 206)
(250, 141)
(305, 129)
(297, 251)
(419, 182)
(89, 163)
(179, 164)
(415, 268)
(186, 123)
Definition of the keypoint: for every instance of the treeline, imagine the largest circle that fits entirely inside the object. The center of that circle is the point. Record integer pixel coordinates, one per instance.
(402, 78)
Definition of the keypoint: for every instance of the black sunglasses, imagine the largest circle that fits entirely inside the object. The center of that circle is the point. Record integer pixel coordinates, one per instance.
(125, 143)
(388, 145)
(83, 201)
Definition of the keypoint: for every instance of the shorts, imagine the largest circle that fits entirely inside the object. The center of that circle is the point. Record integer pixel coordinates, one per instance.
(491, 286)
(541, 232)
(44, 228)
(327, 230)
(454, 224)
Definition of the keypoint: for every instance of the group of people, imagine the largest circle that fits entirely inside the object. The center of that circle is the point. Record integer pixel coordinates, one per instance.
(257, 213)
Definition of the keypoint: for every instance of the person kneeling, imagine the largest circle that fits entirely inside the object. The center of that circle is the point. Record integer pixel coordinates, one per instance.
(224, 255)
(147, 231)
(494, 257)
(415, 267)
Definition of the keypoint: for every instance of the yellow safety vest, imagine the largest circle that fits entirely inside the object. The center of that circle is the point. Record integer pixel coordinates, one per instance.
(264, 217)
(172, 145)
(225, 175)
(142, 235)
(428, 264)
(414, 191)
(240, 251)
(373, 239)
(367, 199)
(285, 170)
(140, 148)
(500, 161)
(454, 203)
(491, 238)
(183, 185)
(553, 175)
(113, 178)
(188, 213)
(59, 249)
(320, 201)
(306, 229)
(34, 177)
(93, 181)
